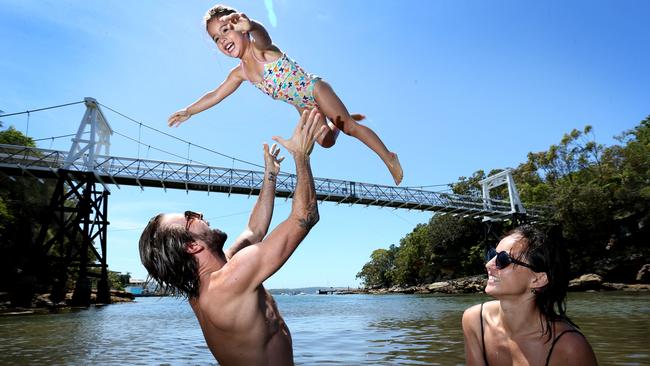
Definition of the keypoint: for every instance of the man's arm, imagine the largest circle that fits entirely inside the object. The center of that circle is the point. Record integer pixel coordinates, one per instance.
(255, 263)
(260, 219)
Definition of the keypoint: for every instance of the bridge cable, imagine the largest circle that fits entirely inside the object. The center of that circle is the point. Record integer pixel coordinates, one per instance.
(155, 148)
(40, 109)
(180, 139)
(55, 137)
(139, 135)
(429, 186)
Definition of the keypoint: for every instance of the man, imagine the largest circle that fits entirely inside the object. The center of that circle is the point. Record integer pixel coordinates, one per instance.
(239, 318)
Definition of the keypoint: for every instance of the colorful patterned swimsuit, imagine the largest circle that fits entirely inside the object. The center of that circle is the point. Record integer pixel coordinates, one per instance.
(285, 80)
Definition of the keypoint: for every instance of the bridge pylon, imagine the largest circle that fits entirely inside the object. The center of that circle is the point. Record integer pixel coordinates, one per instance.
(93, 137)
(78, 217)
(517, 210)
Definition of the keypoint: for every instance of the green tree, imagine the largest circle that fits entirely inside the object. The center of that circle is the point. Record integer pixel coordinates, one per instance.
(598, 198)
(378, 272)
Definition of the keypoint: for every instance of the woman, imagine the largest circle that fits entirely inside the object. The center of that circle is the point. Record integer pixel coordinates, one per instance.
(527, 323)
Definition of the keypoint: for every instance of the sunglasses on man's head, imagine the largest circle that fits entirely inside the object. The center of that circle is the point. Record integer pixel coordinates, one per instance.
(191, 216)
(503, 260)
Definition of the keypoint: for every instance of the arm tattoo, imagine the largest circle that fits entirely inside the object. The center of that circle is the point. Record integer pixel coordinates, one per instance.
(271, 177)
(312, 217)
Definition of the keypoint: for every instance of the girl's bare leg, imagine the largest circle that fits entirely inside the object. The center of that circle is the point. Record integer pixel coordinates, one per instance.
(328, 139)
(330, 104)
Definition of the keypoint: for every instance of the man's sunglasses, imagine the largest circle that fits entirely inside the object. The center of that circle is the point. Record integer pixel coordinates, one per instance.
(503, 260)
(191, 216)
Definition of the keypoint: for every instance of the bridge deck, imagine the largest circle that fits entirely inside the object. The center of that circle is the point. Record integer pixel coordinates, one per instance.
(44, 163)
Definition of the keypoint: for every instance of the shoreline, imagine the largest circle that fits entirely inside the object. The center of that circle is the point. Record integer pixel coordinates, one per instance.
(41, 304)
(476, 284)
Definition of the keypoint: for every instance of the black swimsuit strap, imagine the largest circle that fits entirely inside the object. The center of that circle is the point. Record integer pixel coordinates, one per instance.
(548, 358)
(483, 337)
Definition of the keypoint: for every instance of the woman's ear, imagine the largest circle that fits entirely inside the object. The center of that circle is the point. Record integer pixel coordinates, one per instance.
(540, 279)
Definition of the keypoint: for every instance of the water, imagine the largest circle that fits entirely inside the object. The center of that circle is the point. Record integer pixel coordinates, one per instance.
(326, 329)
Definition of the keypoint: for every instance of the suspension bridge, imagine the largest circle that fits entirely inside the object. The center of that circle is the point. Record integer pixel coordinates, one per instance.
(86, 171)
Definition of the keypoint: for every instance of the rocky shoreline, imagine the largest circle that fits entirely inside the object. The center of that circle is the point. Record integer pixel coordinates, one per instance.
(476, 284)
(42, 303)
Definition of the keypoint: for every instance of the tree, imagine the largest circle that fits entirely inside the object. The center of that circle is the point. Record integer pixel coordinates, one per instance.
(598, 198)
(378, 272)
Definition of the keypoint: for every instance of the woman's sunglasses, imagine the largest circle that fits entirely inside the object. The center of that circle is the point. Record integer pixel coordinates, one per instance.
(503, 260)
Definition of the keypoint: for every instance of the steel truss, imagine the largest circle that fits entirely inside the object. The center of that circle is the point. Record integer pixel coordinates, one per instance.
(43, 163)
(79, 213)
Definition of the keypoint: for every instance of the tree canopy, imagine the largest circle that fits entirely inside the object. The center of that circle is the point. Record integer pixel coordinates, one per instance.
(598, 198)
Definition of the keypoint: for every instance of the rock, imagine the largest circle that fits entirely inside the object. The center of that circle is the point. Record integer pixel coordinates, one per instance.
(613, 286)
(643, 276)
(622, 268)
(42, 301)
(637, 287)
(586, 282)
(443, 287)
(125, 295)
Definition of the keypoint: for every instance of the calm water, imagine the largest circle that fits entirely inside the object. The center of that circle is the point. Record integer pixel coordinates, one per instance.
(337, 330)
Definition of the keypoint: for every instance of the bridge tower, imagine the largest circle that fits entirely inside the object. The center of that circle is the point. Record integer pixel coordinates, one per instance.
(517, 210)
(85, 222)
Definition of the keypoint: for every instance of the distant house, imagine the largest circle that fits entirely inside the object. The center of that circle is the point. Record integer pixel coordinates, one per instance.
(142, 287)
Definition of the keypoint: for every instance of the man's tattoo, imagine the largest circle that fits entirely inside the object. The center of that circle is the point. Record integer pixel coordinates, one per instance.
(312, 217)
(272, 177)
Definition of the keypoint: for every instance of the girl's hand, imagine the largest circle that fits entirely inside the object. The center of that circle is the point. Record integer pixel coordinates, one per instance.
(237, 21)
(178, 117)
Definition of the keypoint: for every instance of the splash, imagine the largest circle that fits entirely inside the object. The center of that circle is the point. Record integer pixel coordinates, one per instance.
(269, 9)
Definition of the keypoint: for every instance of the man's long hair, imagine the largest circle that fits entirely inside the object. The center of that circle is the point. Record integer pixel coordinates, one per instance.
(550, 257)
(163, 253)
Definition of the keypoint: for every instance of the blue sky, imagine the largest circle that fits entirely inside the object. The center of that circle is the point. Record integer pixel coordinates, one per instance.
(451, 86)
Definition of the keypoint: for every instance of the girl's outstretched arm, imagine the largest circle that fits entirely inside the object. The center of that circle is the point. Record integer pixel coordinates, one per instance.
(232, 82)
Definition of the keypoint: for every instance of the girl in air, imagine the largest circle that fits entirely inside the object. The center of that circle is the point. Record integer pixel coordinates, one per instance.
(274, 73)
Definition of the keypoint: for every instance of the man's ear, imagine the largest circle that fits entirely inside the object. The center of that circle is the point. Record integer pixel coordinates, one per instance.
(193, 247)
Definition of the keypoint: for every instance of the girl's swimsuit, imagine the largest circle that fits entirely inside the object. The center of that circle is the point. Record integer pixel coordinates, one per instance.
(285, 80)
(550, 351)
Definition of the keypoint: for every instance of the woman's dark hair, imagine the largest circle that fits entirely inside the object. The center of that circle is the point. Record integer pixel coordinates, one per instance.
(163, 254)
(550, 257)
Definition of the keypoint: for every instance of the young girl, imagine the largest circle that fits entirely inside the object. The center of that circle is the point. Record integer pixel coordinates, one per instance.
(271, 71)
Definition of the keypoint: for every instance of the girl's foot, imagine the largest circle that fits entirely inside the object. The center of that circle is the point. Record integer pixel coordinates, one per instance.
(395, 168)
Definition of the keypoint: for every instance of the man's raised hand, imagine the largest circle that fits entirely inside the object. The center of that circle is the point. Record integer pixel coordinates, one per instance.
(271, 160)
(305, 133)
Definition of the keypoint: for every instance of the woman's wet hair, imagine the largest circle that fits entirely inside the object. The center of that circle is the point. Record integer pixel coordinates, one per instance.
(548, 256)
(163, 253)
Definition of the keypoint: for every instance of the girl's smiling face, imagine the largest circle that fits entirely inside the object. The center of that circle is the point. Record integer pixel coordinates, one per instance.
(231, 43)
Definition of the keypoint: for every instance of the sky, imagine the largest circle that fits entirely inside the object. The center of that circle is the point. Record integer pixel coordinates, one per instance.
(451, 86)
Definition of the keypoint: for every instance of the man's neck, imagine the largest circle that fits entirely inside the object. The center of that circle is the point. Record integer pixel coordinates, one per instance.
(208, 263)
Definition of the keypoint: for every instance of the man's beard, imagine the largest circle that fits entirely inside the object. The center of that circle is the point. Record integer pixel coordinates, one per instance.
(215, 240)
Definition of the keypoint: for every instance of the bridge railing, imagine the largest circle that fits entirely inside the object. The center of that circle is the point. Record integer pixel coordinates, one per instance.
(166, 174)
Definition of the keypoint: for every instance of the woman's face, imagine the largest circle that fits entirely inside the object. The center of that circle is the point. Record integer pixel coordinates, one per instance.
(512, 280)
